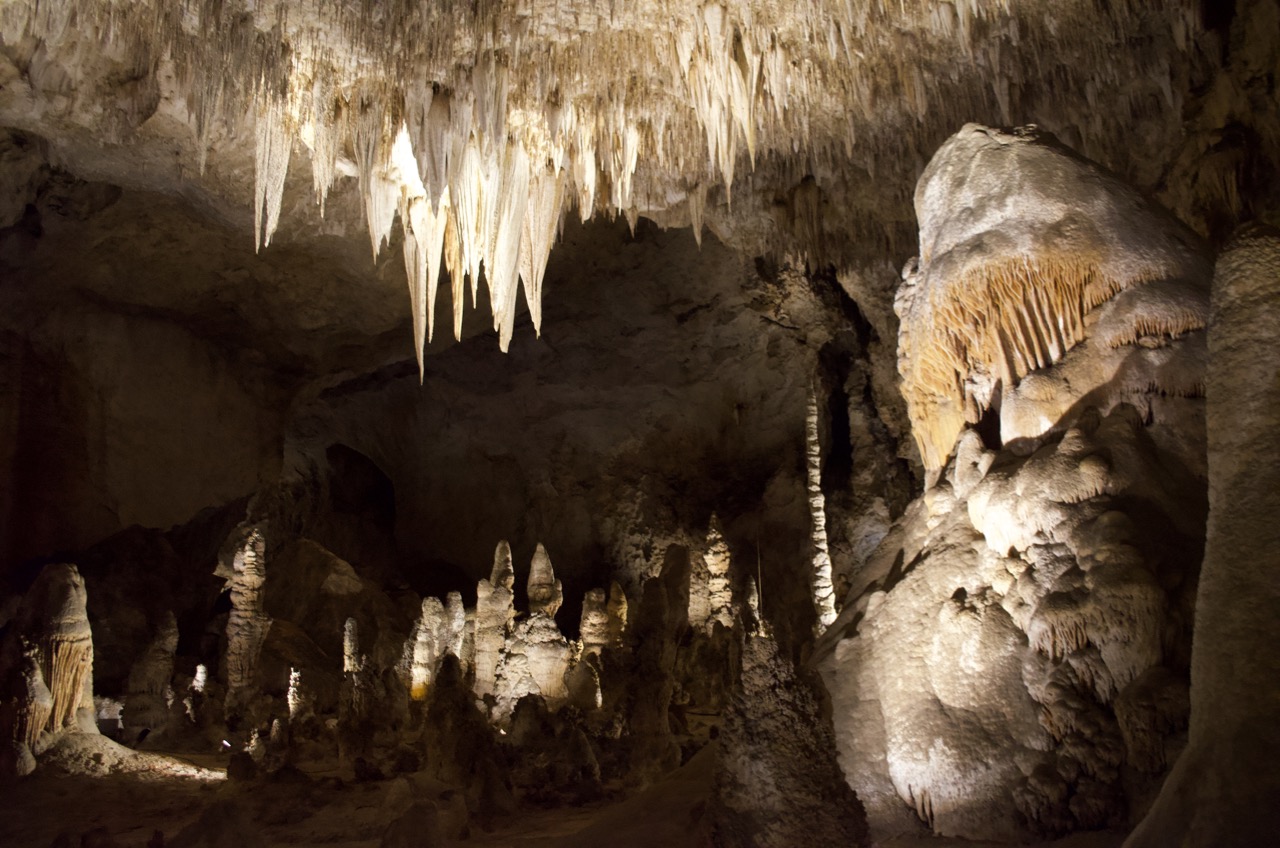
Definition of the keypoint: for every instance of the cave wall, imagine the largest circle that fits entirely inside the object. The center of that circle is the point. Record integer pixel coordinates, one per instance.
(113, 420)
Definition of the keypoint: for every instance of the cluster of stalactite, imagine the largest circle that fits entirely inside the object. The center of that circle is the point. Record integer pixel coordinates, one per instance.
(480, 125)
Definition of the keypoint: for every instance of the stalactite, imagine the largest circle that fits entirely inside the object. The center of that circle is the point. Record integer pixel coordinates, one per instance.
(703, 91)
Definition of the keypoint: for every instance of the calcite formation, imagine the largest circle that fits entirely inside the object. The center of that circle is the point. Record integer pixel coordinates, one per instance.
(594, 628)
(480, 127)
(52, 628)
(244, 566)
(710, 592)
(146, 705)
(1019, 667)
(495, 608)
(1058, 288)
(546, 594)
(824, 593)
(425, 648)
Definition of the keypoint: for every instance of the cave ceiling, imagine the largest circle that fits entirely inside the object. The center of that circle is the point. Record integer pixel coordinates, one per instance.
(259, 169)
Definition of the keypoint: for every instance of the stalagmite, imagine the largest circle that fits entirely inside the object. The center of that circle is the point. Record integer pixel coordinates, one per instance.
(824, 594)
(594, 629)
(495, 608)
(546, 593)
(145, 707)
(453, 628)
(425, 648)
(46, 660)
(352, 661)
(717, 561)
(710, 595)
(243, 564)
(617, 610)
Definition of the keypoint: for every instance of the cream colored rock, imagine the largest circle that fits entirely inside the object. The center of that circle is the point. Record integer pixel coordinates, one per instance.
(594, 629)
(546, 593)
(495, 609)
(1043, 285)
(243, 564)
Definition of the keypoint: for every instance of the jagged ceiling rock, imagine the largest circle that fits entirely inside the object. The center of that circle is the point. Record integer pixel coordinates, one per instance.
(784, 128)
(1043, 284)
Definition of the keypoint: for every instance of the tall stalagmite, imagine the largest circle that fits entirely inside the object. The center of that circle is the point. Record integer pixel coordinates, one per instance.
(244, 565)
(824, 593)
(495, 608)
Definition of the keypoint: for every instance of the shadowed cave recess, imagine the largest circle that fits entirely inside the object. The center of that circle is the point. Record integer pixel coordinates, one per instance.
(674, 423)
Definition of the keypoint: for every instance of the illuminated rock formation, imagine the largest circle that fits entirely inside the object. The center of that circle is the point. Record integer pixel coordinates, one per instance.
(54, 624)
(27, 702)
(495, 608)
(1019, 662)
(545, 592)
(710, 597)
(1060, 287)
(824, 593)
(594, 629)
(243, 564)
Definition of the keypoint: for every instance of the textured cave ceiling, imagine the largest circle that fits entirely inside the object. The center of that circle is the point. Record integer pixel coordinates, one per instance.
(787, 129)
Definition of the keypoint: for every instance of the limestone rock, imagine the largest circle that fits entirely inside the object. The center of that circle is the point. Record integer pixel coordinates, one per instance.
(244, 566)
(145, 708)
(545, 592)
(1050, 254)
(594, 628)
(46, 661)
(495, 608)
(777, 781)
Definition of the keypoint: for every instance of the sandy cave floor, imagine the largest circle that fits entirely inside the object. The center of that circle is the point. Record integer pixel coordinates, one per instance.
(332, 809)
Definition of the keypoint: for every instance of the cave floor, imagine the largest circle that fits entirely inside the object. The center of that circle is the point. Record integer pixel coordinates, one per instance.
(323, 810)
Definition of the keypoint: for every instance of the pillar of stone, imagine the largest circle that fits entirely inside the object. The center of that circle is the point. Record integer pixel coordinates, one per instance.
(1224, 786)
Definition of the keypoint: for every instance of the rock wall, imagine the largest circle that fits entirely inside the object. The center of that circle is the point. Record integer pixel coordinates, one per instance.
(1222, 790)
